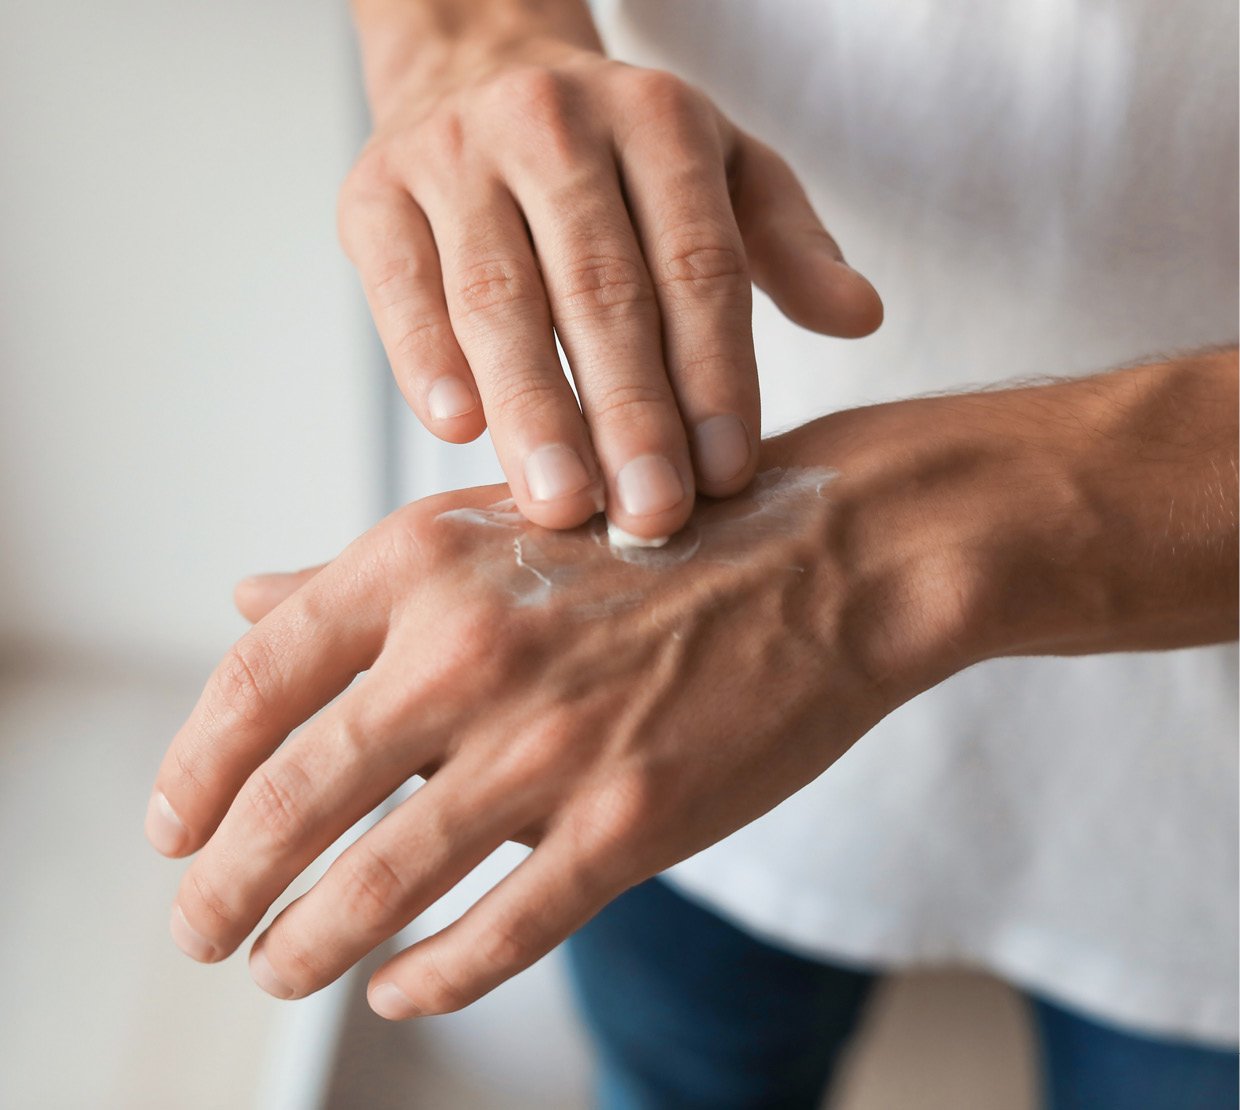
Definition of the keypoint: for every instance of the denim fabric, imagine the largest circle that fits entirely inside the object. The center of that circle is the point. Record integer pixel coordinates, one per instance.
(687, 1011)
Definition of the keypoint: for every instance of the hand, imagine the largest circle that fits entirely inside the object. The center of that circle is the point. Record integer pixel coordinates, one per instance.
(617, 711)
(531, 184)
(621, 711)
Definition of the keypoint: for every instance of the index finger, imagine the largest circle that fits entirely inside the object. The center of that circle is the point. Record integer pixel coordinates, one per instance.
(386, 235)
(286, 668)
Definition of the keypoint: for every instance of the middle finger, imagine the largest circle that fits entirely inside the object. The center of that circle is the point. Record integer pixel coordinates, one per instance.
(607, 318)
(380, 883)
(498, 307)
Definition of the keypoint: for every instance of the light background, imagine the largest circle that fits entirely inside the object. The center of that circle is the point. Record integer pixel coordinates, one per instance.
(189, 393)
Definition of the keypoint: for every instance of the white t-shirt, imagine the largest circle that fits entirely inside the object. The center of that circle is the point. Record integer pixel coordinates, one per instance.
(1039, 188)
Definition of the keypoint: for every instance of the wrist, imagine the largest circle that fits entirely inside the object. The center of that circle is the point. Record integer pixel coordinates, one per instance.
(412, 46)
(901, 590)
(1089, 515)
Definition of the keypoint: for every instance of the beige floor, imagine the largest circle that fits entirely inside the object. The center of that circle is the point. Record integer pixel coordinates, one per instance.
(930, 1042)
(98, 1010)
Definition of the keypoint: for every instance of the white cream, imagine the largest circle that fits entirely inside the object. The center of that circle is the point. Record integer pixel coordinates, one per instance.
(618, 537)
(540, 564)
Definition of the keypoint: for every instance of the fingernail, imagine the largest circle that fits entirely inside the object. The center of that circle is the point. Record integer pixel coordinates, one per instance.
(554, 471)
(449, 397)
(722, 447)
(265, 976)
(649, 484)
(618, 537)
(164, 829)
(389, 1001)
(189, 940)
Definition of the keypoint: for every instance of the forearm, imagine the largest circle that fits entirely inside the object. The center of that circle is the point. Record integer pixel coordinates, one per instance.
(1088, 515)
(1143, 555)
(433, 39)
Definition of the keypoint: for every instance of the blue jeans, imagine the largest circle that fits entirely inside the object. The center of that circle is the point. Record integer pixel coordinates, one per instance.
(688, 1011)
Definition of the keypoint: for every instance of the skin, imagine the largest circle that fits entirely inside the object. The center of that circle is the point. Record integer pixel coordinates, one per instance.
(519, 181)
(1084, 516)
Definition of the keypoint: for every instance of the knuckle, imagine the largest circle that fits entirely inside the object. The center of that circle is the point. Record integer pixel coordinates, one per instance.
(394, 280)
(539, 93)
(414, 328)
(504, 945)
(192, 766)
(417, 333)
(438, 992)
(708, 366)
(400, 539)
(547, 749)
(474, 634)
(300, 967)
(660, 92)
(605, 285)
(244, 678)
(541, 107)
(372, 890)
(409, 528)
(397, 291)
(625, 402)
(482, 644)
(473, 648)
(439, 140)
(813, 233)
(517, 398)
(697, 260)
(348, 221)
(616, 815)
(369, 178)
(272, 797)
(497, 285)
(353, 741)
(209, 899)
(371, 172)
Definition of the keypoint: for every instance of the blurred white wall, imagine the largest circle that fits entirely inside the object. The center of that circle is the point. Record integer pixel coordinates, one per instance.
(188, 393)
(186, 385)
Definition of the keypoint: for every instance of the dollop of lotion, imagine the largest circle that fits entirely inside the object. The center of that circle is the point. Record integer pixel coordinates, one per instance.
(619, 539)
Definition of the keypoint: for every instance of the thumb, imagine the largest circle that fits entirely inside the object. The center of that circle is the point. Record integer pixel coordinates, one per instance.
(792, 257)
(256, 596)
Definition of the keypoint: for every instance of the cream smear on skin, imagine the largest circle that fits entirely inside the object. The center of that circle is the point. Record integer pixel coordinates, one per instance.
(541, 563)
(618, 537)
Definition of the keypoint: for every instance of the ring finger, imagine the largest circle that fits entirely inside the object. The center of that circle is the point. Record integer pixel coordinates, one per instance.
(387, 877)
(693, 247)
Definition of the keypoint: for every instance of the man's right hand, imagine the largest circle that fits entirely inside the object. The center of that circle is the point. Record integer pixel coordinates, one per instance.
(518, 181)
